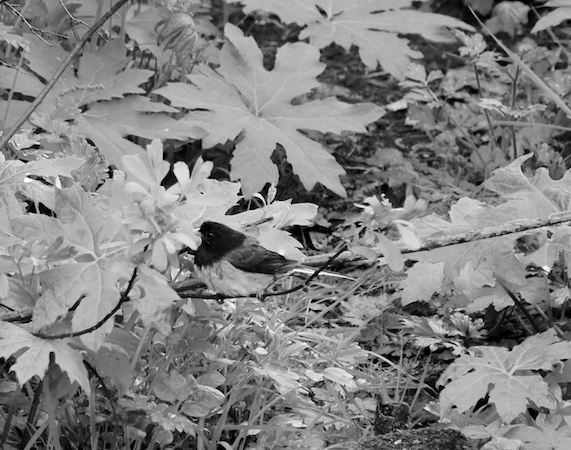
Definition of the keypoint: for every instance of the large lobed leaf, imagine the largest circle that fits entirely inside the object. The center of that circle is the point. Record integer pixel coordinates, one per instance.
(91, 276)
(34, 355)
(108, 124)
(244, 99)
(371, 25)
(507, 376)
(471, 268)
(102, 75)
(103, 98)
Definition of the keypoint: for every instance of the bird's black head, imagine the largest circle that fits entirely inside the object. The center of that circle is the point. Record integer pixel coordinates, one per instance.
(217, 240)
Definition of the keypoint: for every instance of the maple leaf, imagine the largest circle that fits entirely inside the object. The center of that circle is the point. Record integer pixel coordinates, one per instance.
(33, 355)
(101, 75)
(108, 123)
(90, 276)
(524, 198)
(94, 98)
(14, 172)
(507, 376)
(245, 99)
(371, 25)
(529, 197)
(95, 283)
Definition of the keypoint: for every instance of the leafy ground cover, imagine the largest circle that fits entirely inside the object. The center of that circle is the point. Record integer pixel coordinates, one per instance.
(400, 146)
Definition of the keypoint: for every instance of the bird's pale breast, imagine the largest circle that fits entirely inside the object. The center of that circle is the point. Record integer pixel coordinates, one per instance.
(223, 277)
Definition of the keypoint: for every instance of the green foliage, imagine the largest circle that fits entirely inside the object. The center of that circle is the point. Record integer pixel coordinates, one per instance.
(518, 111)
(548, 432)
(561, 13)
(509, 378)
(244, 101)
(372, 26)
(35, 353)
(96, 220)
(97, 100)
(97, 252)
(470, 269)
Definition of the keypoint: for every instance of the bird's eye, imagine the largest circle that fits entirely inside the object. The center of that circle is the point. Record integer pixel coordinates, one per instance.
(210, 235)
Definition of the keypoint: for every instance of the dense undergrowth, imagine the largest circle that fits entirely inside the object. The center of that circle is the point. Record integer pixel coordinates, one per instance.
(442, 182)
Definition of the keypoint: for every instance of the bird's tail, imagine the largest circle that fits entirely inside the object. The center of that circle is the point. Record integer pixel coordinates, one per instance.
(310, 271)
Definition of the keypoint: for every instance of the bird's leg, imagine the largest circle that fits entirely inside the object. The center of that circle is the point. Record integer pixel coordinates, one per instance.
(261, 295)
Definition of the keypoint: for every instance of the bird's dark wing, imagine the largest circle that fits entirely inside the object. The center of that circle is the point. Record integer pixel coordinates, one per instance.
(253, 257)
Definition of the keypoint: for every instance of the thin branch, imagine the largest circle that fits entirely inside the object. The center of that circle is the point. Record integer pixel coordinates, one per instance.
(310, 279)
(70, 15)
(322, 261)
(32, 28)
(124, 298)
(49, 86)
(516, 226)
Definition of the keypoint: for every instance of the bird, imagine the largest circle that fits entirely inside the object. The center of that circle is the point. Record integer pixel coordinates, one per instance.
(234, 264)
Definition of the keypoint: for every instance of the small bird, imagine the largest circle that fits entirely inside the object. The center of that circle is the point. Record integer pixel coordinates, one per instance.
(234, 264)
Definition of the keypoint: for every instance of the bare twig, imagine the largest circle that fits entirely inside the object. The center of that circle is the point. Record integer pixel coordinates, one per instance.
(187, 290)
(71, 16)
(124, 298)
(321, 268)
(32, 28)
(516, 226)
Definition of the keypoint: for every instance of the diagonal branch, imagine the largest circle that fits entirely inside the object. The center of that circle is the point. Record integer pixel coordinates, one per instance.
(49, 86)
(124, 298)
(516, 226)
